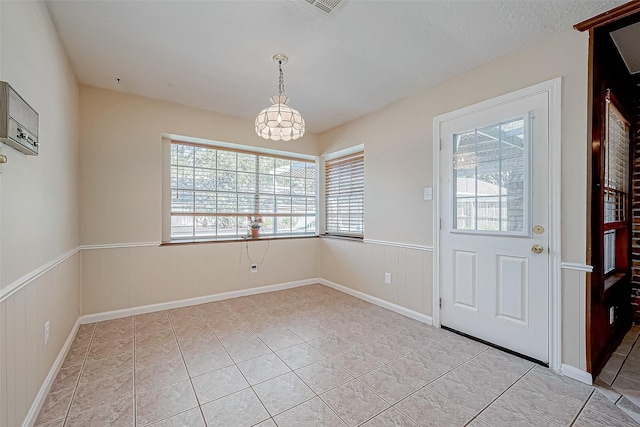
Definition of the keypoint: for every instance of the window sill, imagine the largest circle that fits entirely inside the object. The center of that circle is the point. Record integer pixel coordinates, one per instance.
(613, 280)
(350, 238)
(236, 240)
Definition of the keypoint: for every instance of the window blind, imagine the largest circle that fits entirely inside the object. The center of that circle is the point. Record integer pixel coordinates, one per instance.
(616, 169)
(344, 195)
(215, 190)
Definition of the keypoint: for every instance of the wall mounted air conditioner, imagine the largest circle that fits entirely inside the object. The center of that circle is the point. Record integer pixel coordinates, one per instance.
(18, 121)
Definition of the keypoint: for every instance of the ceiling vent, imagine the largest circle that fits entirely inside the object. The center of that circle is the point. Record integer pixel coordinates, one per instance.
(326, 6)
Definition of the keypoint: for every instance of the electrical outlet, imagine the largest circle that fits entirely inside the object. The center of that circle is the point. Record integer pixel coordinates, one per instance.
(387, 278)
(46, 332)
(254, 268)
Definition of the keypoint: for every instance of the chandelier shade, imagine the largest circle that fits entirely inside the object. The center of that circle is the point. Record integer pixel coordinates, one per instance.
(279, 122)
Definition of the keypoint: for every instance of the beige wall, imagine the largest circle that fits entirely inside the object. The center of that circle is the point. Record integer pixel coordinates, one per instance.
(118, 278)
(39, 210)
(121, 159)
(398, 164)
(121, 192)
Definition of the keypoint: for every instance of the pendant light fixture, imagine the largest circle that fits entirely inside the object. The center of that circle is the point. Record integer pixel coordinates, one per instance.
(279, 122)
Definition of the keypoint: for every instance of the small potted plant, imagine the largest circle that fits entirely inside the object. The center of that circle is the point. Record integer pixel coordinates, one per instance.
(256, 223)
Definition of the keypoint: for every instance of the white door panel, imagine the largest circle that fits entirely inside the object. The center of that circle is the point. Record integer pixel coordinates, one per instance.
(494, 190)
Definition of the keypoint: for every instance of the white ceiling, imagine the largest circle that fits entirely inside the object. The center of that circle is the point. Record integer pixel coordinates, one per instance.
(217, 54)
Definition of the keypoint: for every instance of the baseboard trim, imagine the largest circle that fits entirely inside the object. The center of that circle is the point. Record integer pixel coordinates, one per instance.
(143, 309)
(379, 302)
(577, 374)
(32, 415)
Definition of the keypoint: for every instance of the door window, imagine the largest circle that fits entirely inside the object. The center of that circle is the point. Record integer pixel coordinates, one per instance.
(490, 178)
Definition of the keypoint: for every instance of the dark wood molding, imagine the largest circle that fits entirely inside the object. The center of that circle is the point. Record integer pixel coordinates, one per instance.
(609, 16)
(589, 255)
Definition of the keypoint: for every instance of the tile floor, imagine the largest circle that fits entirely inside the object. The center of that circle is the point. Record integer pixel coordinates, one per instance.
(620, 378)
(309, 356)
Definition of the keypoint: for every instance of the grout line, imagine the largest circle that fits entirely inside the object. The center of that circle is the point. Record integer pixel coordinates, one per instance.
(84, 361)
(584, 404)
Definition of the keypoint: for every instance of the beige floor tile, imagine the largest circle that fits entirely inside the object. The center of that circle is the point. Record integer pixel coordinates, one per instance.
(464, 393)
(108, 367)
(552, 405)
(330, 345)
(283, 392)
(313, 413)
(241, 409)
(615, 363)
(300, 355)
(390, 383)
(85, 331)
(384, 349)
(54, 423)
(263, 368)
(119, 413)
(77, 354)
(630, 408)
(420, 367)
(157, 354)
(601, 405)
(198, 364)
(354, 402)
(247, 349)
(163, 402)
(216, 384)
(104, 390)
(390, 418)
(460, 375)
(590, 418)
(67, 377)
(493, 381)
(188, 330)
(629, 387)
(55, 406)
(506, 412)
(549, 383)
(323, 375)
(357, 361)
(109, 348)
(427, 408)
(279, 339)
(190, 418)
(310, 331)
(160, 374)
(197, 344)
(147, 340)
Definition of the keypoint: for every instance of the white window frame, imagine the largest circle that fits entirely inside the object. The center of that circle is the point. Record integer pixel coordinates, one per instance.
(329, 158)
(166, 185)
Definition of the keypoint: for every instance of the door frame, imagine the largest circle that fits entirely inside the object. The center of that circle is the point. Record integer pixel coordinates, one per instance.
(554, 90)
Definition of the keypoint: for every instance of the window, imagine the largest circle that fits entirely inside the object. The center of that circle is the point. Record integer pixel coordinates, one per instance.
(616, 188)
(490, 169)
(214, 190)
(344, 195)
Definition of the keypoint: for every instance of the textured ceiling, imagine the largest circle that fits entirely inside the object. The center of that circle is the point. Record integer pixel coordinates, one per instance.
(217, 54)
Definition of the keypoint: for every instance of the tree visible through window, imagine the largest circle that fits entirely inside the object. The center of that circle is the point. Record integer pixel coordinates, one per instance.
(214, 191)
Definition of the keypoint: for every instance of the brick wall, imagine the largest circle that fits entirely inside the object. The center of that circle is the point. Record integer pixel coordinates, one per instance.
(635, 232)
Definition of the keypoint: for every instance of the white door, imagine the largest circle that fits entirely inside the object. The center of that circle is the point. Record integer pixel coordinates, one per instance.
(494, 261)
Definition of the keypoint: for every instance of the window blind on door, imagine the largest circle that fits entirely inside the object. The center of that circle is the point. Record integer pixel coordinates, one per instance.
(344, 195)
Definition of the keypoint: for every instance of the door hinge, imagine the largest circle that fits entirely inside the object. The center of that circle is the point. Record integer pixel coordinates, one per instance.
(440, 303)
(441, 221)
(440, 142)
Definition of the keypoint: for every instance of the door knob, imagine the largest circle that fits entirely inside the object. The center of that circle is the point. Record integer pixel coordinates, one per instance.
(537, 249)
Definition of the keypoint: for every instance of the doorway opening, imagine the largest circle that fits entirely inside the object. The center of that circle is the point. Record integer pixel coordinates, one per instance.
(613, 216)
